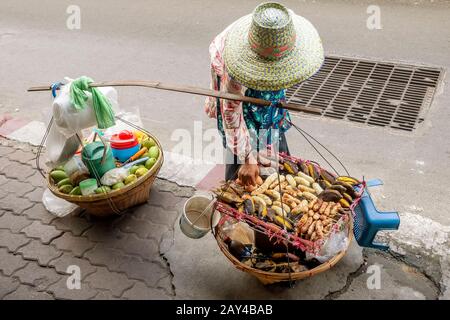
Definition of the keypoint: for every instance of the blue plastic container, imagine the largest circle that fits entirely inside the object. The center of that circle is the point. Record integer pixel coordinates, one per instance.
(124, 154)
(124, 145)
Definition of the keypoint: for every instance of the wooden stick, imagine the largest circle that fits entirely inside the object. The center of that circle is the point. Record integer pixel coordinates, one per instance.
(191, 90)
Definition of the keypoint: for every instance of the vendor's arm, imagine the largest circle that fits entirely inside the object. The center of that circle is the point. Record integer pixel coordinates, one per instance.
(237, 135)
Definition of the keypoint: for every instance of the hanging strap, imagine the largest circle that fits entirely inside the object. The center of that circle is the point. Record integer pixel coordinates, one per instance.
(102, 107)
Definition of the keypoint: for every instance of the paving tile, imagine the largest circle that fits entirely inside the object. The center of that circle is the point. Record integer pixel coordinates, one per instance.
(21, 156)
(165, 199)
(140, 227)
(104, 233)
(102, 255)
(12, 241)
(75, 224)
(141, 292)
(115, 282)
(6, 150)
(25, 292)
(15, 204)
(145, 248)
(42, 253)
(38, 277)
(61, 290)
(157, 215)
(149, 272)
(76, 245)
(13, 222)
(17, 187)
(104, 295)
(9, 262)
(35, 195)
(7, 285)
(38, 212)
(40, 231)
(62, 263)
(37, 180)
(15, 170)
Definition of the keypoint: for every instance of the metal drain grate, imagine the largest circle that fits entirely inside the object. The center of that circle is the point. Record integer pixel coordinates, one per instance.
(370, 92)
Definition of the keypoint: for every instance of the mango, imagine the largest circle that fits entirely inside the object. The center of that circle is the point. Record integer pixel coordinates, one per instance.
(64, 182)
(118, 185)
(102, 189)
(148, 143)
(75, 191)
(65, 188)
(58, 175)
(133, 169)
(153, 152)
(141, 171)
(130, 179)
(149, 163)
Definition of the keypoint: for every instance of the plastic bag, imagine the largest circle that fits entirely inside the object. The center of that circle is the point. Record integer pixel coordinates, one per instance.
(241, 232)
(70, 120)
(57, 206)
(337, 242)
(114, 176)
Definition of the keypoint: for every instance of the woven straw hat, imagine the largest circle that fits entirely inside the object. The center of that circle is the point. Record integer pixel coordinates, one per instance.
(272, 48)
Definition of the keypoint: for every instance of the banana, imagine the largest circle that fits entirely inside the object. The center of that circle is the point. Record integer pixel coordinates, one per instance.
(290, 167)
(325, 175)
(302, 181)
(283, 222)
(324, 183)
(278, 211)
(350, 180)
(266, 199)
(330, 195)
(317, 188)
(344, 203)
(347, 197)
(305, 176)
(309, 196)
(275, 183)
(303, 188)
(291, 181)
(275, 195)
(286, 208)
(258, 201)
(304, 168)
(312, 170)
(349, 188)
(338, 188)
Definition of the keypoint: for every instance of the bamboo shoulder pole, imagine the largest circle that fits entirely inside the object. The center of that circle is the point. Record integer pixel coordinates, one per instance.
(191, 90)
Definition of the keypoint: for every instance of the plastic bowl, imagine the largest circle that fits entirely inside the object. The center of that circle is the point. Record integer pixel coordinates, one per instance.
(124, 154)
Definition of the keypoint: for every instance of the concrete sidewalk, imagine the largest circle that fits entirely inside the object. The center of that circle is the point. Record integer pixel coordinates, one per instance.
(143, 254)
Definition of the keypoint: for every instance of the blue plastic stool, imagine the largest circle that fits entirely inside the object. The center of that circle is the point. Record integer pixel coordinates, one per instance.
(368, 220)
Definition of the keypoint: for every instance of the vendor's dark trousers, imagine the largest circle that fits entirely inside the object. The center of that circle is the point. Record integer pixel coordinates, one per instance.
(231, 169)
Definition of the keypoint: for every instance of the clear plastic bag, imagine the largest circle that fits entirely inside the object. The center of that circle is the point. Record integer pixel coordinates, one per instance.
(337, 242)
(57, 206)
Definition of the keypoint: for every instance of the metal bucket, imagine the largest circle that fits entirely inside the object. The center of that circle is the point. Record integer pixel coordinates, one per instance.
(192, 209)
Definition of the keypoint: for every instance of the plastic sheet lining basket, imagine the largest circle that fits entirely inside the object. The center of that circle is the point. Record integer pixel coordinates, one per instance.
(274, 277)
(115, 201)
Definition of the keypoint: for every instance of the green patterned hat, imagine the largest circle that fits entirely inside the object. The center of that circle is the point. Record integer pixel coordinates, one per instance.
(272, 48)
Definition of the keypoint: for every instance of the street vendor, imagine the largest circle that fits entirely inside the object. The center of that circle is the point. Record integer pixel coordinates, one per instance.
(259, 55)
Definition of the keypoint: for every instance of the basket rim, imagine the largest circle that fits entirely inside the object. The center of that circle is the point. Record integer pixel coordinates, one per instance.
(102, 196)
(285, 276)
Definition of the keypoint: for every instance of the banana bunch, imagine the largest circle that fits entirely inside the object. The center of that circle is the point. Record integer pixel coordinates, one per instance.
(301, 198)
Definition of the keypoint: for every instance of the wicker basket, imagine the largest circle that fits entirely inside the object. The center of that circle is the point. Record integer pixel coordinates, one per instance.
(274, 277)
(115, 201)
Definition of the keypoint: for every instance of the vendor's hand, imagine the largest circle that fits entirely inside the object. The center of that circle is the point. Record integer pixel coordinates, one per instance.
(249, 172)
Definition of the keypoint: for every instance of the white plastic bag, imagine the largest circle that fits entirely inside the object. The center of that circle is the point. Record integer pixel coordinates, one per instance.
(69, 120)
(337, 242)
(57, 206)
(114, 176)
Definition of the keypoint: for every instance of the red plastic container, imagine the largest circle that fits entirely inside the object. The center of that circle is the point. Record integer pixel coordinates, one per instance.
(124, 145)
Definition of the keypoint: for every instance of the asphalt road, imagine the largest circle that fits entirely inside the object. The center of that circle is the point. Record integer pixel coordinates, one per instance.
(168, 41)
